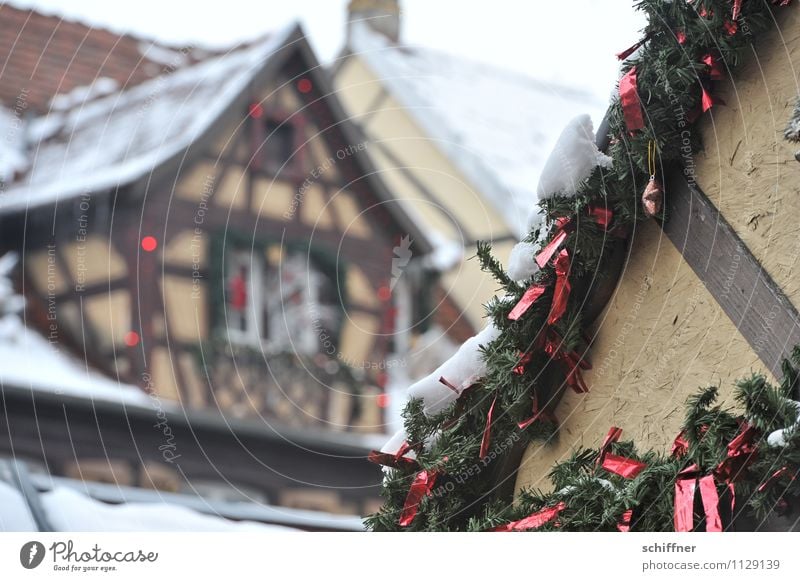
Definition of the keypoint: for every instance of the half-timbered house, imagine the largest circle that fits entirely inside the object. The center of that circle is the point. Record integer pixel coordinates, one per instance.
(208, 227)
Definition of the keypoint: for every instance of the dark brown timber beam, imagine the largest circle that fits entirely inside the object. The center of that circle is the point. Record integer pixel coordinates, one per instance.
(764, 316)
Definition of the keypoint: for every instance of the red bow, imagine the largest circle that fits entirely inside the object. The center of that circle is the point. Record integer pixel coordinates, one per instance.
(534, 521)
(564, 225)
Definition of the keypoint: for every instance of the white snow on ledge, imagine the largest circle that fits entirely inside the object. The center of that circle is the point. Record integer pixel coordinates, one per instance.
(72, 511)
(28, 360)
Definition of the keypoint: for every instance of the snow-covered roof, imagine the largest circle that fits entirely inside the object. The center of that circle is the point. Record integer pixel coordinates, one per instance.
(29, 361)
(117, 139)
(69, 510)
(498, 127)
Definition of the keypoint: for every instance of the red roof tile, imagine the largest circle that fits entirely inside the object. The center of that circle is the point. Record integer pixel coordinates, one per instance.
(42, 56)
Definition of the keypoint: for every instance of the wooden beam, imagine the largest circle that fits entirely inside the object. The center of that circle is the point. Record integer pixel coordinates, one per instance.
(762, 313)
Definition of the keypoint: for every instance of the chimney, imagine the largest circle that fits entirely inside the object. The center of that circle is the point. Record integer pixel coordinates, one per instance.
(382, 16)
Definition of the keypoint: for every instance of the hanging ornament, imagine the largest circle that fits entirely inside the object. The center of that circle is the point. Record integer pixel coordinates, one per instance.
(653, 195)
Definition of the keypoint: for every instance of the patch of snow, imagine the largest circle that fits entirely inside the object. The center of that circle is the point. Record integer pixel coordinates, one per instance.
(496, 126)
(572, 161)
(78, 96)
(28, 360)
(522, 261)
(68, 510)
(14, 514)
(461, 370)
(117, 139)
(446, 253)
(162, 55)
(778, 438)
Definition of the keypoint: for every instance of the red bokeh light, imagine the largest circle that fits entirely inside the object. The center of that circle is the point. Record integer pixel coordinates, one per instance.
(149, 243)
(131, 338)
(256, 110)
(304, 86)
(384, 293)
(383, 400)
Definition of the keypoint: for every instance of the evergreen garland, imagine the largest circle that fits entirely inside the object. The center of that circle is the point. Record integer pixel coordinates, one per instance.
(672, 73)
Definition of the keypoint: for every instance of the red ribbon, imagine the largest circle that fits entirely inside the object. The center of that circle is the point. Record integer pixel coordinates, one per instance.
(534, 521)
(741, 452)
(686, 485)
(530, 296)
(681, 37)
(737, 9)
(602, 216)
(487, 431)
(715, 71)
(624, 523)
(420, 488)
(708, 100)
(548, 251)
(629, 51)
(710, 498)
(537, 414)
(613, 435)
(631, 105)
(449, 385)
(524, 359)
(773, 478)
(562, 288)
(570, 361)
(625, 467)
(680, 446)
(391, 460)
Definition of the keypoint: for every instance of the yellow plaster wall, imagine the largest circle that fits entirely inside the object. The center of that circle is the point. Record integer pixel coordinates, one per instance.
(660, 339)
(748, 169)
(109, 315)
(186, 307)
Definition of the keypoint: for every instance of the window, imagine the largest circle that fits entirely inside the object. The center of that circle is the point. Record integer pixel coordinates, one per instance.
(286, 304)
(279, 145)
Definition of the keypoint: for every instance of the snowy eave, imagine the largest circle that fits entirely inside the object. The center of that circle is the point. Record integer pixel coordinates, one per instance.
(112, 141)
(497, 127)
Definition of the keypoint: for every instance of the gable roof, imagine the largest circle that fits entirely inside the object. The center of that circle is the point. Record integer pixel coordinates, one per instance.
(42, 56)
(496, 126)
(115, 140)
(105, 143)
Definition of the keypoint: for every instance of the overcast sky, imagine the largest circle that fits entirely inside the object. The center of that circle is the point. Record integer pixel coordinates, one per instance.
(568, 41)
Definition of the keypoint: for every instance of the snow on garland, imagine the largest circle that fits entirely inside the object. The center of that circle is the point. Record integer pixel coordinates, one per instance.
(498, 387)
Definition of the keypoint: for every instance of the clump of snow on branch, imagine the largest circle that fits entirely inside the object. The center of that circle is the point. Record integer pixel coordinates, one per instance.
(522, 261)
(461, 370)
(778, 438)
(572, 161)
